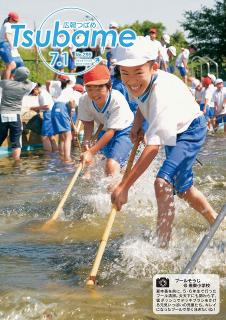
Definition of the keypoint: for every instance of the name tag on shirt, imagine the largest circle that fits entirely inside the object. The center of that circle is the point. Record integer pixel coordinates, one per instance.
(8, 117)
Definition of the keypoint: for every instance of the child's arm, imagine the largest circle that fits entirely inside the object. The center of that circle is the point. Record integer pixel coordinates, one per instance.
(109, 134)
(137, 126)
(88, 131)
(120, 194)
(40, 108)
(87, 156)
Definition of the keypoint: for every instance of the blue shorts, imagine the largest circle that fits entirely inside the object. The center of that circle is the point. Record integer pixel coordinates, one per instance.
(221, 118)
(5, 52)
(119, 147)
(60, 118)
(171, 68)
(71, 63)
(47, 126)
(19, 63)
(74, 116)
(177, 168)
(207, 113)
(15, 132)
(211, 112)
(183, 71)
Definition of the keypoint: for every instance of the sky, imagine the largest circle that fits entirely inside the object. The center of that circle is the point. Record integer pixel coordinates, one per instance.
(170, 13)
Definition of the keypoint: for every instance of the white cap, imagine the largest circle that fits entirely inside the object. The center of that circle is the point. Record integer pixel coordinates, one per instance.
(139, 53)
(217, 81)
(212, 77)
(166, 38)
(195, 83)
(113, 24)
(173, 50)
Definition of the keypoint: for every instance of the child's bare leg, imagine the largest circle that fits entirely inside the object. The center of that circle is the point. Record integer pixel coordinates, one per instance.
(198, 202)
(8, 69)
(53, 143)
(61, 145)
(67, 146)
(16, 153)
(166, 211)
(112, 167)
(46, 144)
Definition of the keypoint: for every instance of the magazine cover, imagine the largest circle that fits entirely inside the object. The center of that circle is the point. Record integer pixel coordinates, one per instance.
(112, 160)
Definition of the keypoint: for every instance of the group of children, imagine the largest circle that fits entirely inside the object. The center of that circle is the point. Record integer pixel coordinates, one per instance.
(210, 94)
(165, 111)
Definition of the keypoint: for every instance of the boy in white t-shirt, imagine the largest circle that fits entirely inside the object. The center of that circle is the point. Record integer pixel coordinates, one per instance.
(45, 104)
(219, 98)
(182, 61)
(174, 122)
(61, 119)
(108, 107)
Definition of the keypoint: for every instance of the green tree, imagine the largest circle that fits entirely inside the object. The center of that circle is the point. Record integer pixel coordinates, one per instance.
(142, 28)
(206, 30)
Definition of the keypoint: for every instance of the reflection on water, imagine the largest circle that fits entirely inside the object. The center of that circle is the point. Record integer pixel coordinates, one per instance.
(43, 272)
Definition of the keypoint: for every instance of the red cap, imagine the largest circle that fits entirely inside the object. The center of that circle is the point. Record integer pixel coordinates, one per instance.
(153, 30)
(97, 76)
(79, 88)
(14, 16)
(206, 81)
(63, 77)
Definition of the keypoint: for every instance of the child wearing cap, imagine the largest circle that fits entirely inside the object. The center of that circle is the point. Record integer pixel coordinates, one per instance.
(6, 45)
(182, 61)
(219, 98)
(171, 54)
(108, 107)
(174, 122)
(163, 63)
(13, 92)
(155, 43)
(208, 108)
(45, 104)
(61, 119)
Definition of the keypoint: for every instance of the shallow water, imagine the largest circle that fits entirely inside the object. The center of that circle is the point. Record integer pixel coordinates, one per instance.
(43, 272)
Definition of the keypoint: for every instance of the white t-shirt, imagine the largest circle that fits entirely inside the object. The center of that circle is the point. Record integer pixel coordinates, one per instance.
(45, 99)
(219, 97)
(209, 95)
(116, 113)
(183, 55)
(66, 95)
(6, 28)
(169, 109)
(164, 54)
(200, 96)
(77, 95)
(157, 45)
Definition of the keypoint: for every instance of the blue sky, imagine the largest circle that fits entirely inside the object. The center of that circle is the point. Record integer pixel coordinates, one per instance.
(127, 11)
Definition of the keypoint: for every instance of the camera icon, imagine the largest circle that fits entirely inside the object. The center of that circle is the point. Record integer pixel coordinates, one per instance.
(162, 282)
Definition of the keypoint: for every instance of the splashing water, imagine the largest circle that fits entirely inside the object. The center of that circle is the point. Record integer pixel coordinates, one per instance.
(43, 273)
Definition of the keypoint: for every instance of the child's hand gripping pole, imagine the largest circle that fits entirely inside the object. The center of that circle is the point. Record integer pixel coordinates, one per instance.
(92, 277)
(76, 131)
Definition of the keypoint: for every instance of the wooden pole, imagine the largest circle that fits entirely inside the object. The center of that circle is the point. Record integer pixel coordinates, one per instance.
(92, 277)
